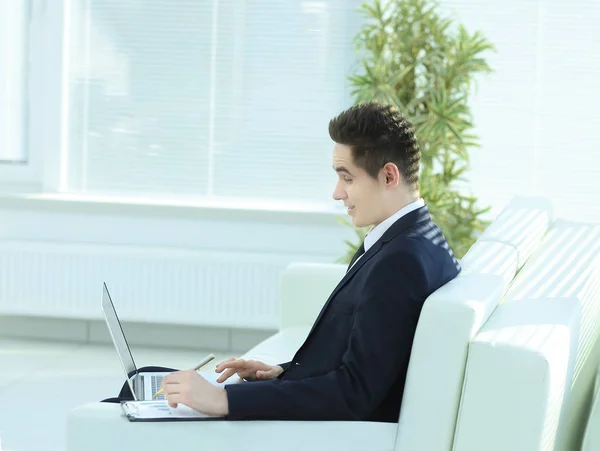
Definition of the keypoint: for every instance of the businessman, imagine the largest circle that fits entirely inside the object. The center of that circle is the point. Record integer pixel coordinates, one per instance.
(353, 364)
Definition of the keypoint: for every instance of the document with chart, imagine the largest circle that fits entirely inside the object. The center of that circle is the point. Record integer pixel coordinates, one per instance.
(161, 411)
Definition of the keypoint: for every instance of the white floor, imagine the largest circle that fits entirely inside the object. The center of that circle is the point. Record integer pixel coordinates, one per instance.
(40, 382)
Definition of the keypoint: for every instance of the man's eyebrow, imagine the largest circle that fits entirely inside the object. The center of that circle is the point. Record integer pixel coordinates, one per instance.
(342, 169)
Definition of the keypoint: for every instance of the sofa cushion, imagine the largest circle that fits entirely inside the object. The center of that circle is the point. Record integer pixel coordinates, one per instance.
(449, 320)
(530, 370)
(102, 427)
(521, 224)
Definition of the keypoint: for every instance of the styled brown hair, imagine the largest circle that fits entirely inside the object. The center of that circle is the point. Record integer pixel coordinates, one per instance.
(378, 134)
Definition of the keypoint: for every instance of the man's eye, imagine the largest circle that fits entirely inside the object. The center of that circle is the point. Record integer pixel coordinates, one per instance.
(347, 179)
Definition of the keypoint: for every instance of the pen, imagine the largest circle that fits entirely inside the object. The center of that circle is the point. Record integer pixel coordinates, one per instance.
(196, 368)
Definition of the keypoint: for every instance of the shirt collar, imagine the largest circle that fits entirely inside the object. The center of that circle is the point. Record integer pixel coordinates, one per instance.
(381, 228)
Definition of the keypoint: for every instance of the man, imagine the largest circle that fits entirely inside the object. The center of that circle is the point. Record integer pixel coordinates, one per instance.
(353, 363)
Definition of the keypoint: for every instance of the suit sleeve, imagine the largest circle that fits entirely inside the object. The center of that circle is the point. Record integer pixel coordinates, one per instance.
(379, 348)
(285, 365)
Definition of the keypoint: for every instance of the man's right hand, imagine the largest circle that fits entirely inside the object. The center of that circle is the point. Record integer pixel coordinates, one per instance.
(250, 370)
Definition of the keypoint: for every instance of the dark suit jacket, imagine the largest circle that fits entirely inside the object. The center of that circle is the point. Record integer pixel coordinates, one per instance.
(353, 363)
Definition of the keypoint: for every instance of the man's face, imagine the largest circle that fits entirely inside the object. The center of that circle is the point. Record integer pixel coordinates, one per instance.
(362, 195)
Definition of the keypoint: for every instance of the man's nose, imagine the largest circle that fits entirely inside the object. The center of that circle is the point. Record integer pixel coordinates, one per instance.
(338, 192)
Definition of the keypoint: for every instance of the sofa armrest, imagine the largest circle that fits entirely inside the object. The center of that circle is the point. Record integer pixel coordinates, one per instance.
(102, 426)
(519, 372)
(591, 438)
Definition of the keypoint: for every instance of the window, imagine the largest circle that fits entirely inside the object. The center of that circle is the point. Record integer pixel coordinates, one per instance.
(213, 98)
(537, 113)
(12, 82)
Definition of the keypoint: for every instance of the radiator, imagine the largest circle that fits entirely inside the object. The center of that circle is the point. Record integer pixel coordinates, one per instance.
(164, 285)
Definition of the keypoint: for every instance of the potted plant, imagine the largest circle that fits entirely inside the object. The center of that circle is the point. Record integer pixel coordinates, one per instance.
(412, 57)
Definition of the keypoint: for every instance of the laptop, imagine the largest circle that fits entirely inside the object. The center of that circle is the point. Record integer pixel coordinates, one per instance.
(142, 385)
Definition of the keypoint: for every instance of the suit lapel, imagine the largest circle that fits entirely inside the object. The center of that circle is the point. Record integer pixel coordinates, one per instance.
(361, 261)
(414, 217)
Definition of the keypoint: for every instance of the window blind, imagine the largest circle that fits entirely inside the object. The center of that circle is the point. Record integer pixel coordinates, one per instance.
(567, 159)
(12, 81)
(212, 98)
(536, 114)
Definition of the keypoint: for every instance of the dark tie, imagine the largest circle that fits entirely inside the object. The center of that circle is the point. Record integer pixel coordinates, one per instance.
(359, 252)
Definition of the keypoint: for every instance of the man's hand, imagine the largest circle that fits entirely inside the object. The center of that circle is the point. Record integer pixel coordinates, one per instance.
(192, 390)
(250, 370)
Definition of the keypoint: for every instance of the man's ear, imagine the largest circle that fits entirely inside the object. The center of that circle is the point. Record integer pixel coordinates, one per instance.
(391, 175)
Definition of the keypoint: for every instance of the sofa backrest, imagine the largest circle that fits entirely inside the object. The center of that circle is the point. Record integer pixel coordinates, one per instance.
(305, 287)
(530, 371)
(453, 315)
(522, 225)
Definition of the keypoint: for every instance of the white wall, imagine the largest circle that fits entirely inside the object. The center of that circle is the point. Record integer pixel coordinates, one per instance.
(538, 114)
(170, 264)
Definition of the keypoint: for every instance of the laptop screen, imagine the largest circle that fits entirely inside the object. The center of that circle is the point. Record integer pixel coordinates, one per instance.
(116, 332)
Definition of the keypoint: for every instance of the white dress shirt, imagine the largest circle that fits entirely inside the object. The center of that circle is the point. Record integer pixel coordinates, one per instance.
(381, 228)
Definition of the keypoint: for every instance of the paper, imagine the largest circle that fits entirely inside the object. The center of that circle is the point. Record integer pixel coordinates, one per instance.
(146, 410)
(160, 410)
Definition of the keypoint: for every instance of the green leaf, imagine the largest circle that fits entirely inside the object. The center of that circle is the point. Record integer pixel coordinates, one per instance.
(425, 63)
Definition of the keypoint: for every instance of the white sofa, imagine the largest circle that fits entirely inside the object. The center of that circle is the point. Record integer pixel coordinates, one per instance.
(591, 440)
(504, 356)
